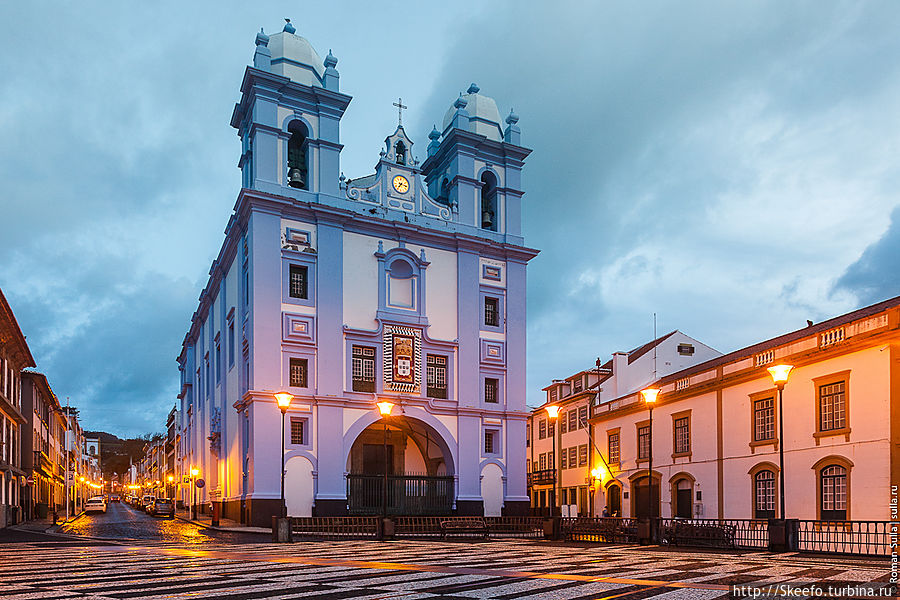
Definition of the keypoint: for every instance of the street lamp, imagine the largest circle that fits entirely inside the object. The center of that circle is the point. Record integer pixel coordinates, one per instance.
(385, 408)
(194, 472)
(284, 402)
(171, 478)
(780, 374)
(553, 413)
(649, 395)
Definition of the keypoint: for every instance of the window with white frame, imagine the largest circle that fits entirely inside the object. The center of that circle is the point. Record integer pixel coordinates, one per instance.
(764, 494)
(644, 442)
(832, 406)
(299, 282)
(436, 372)
(491, 390)
(297, 431)
(764, 419)
(613, 449)
(299, 372)
(833, 482)
(363, 369)
(682, 435)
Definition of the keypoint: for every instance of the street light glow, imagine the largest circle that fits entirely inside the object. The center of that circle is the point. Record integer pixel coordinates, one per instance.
(650, 395)
(553, 411)
(780, 374)
(194, 471)
(284, 400)
(385, 408)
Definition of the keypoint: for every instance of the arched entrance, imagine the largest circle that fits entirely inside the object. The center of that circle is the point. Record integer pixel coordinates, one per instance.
(400, 465)
(682, 495)
(644, 496)
(614, 500)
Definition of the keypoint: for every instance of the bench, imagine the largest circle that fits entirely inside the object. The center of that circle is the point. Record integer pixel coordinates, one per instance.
(464, 525)
(706, 534)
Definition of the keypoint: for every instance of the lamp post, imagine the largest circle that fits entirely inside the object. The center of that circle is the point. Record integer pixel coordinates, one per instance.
(194, 472)
(649, 396)
(384, 408)
(171, 478)
(553, 413)
(284, 401)
(780, 374)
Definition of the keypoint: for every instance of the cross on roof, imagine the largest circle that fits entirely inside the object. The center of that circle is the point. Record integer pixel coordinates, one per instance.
(400, 107)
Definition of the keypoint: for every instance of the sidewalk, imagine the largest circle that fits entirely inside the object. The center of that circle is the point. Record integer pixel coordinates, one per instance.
(46, 524)
(224, 524)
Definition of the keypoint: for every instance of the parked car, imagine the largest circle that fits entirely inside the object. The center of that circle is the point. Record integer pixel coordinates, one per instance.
(95, 504)
(162, 507)
(146, 501)
(114, 498)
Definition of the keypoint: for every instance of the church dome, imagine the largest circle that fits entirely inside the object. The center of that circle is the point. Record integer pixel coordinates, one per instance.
(484, 117)
(294, 57)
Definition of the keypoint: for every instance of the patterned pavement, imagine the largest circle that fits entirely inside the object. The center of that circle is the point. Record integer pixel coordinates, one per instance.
(499, 569)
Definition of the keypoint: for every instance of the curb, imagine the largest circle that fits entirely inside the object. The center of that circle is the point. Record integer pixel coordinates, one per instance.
(203, 525)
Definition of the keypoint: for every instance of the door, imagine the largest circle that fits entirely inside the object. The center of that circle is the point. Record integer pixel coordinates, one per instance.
(614, 501)
(683, 499)
(646, 500)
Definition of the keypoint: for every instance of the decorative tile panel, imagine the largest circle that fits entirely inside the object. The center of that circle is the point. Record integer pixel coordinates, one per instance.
(402, 359)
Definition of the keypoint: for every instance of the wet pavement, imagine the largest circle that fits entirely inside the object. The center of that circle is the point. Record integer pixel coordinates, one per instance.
(124, 522)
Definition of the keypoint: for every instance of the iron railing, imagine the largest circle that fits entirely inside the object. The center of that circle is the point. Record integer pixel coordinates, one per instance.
(498, 527)
(846, 537)
(405, 495)
(616, 530)
(545, 477)
(727, 533)
(335, 527)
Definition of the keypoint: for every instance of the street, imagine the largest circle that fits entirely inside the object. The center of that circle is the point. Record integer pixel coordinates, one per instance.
(164, 558)
(124, 522)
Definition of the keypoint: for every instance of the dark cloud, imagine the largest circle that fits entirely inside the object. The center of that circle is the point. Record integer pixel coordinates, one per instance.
(874, 276)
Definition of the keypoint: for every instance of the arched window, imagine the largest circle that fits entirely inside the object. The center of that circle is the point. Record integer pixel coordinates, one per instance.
(400, 152)
(764, 495)
(297, 163)
(833, 493)
(444, 197)
(489, 201)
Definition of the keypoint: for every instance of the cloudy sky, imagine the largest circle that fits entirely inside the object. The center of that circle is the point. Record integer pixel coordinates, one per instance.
(731, 166)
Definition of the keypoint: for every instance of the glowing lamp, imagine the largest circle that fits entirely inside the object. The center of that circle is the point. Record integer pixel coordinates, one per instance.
(385, 408)
(649, 395)
(553, 411)
(284, 400)
(780, 374)
(194, 471)
(171, 478)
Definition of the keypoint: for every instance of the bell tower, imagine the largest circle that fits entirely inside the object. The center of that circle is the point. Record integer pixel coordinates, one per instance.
(474, 166)
(288, 118)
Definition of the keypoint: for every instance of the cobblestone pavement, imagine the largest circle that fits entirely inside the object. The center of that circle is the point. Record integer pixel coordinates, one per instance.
(503, 569)
(124, 522)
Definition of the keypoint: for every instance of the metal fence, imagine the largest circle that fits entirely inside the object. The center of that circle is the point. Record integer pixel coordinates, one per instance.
(404, 495)
(871, 538)
(616, 530)
(498, 527)
(722, 533)
(335, 527)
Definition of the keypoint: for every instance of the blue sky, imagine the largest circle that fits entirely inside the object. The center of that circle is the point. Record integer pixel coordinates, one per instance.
(730, 166)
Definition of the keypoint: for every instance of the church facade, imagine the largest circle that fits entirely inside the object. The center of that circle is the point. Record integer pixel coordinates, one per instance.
(405, 287)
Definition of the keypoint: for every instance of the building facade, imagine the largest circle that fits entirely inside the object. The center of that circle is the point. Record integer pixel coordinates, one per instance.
(563, 459)
(404, 286)
(715, 430)
(14, 357)
(42, 447)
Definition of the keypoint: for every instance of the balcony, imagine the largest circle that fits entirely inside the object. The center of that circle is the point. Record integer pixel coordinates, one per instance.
(545, 477)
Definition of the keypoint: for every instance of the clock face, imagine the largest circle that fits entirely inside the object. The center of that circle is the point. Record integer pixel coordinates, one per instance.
(401, 184)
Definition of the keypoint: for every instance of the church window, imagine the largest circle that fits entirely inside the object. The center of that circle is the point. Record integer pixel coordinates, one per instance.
(363, 369)
(297, 431)
(491, 390)
(489, 442)
(444, 198)
(400, 152)
(489, 201)
(437, 376)
(299, 372)
(492, 311)
(297, 159)
(299, 282)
